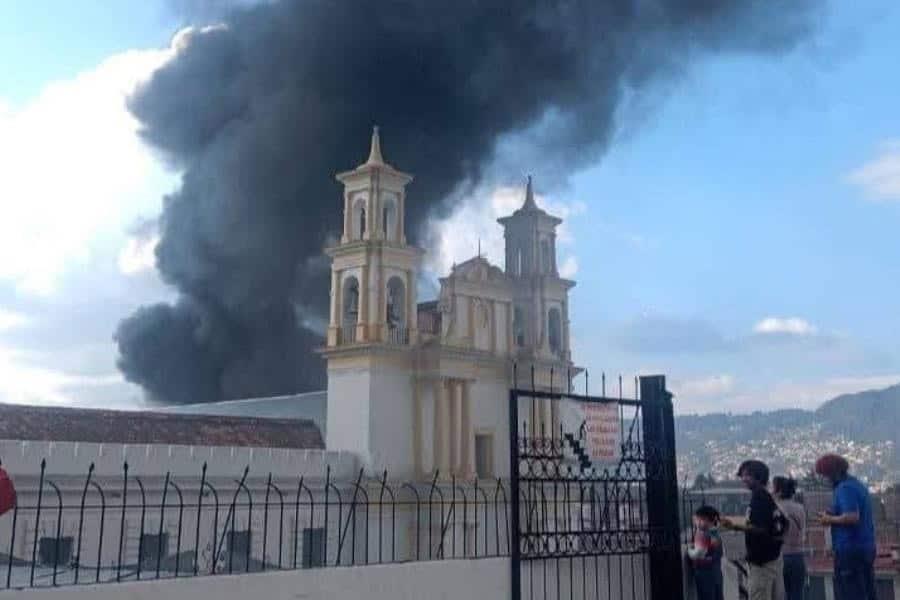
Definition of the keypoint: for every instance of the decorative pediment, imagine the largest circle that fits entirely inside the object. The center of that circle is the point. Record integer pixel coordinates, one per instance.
(478, 270)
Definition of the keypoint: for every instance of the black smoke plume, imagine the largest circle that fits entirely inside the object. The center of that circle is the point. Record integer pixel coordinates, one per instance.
(260, 112)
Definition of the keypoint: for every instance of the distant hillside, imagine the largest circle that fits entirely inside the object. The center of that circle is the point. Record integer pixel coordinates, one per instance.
(867, 416)
(865, 426)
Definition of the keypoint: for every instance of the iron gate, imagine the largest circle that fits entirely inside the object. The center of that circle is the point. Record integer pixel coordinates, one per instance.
(594, 495)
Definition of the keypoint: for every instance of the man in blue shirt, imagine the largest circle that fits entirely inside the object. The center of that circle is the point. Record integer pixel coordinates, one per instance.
(852, 531)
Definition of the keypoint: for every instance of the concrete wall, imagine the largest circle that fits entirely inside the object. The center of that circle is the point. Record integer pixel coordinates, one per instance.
(581, 578)
(22, 460)
(370, 413)
(444, 580)
(394, 532)
(489, 396)
(490, 414)
(391, 421)
(349, 391)
(67, 469)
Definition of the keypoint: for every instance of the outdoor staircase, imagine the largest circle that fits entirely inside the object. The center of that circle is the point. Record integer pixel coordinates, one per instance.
(578, 449)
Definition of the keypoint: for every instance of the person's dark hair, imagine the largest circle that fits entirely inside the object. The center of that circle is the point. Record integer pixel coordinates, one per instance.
(785, 487)
(832, 466)
(756, 469)
(707, 512)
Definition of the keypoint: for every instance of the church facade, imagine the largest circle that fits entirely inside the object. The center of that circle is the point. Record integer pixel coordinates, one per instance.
(422, 388)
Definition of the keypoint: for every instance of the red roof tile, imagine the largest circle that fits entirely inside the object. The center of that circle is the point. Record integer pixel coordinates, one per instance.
(63, 424)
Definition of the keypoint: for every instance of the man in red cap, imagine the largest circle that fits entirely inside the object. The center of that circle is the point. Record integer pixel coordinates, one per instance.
(852, 531)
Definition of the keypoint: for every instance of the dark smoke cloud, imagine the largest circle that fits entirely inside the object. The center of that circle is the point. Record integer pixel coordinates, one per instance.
(261, 112)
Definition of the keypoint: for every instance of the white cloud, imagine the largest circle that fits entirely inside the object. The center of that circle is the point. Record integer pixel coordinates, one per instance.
(23, 383)
(76, 178)
(784, 326)
(10, 319)
(811, 394)
(726, 395)
(569, 268)
(703, 387)
(74, 171)
(880, 177)
(474, 222)
(138, 254)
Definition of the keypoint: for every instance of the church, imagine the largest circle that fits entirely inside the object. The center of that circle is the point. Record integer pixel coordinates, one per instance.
(422, 387)
(418, 395)
(414, 388)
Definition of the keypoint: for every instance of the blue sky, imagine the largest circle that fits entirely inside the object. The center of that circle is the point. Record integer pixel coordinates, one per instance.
(54, 40)
(740, 237)
(739, 188)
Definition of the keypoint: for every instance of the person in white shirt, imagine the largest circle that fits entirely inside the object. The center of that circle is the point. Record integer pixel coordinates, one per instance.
(792, 552)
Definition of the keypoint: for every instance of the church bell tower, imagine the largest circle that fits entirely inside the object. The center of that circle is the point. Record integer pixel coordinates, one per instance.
(373, 295)
(372, 327)
(541, 296)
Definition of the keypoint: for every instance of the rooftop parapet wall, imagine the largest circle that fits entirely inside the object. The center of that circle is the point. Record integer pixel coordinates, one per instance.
(22, 460)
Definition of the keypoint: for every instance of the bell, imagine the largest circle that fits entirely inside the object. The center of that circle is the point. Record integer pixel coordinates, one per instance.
(392, 314)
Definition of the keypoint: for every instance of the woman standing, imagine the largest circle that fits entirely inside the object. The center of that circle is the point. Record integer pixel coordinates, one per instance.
(784, 489)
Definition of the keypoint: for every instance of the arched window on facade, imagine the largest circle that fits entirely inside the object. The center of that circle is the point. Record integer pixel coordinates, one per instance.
(554, 331)
(359, 219)
(518, 261)
(389, 219)
(519, 326)
(396, 302)
(350, 309)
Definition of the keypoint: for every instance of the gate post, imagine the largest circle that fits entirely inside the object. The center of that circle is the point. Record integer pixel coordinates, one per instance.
(515, 545)
(666, 577)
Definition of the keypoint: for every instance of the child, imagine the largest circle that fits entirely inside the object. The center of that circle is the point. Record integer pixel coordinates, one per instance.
(706, 554)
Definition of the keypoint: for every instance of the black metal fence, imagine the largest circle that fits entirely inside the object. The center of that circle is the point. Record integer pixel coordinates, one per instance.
(595, 493)
(68, 531)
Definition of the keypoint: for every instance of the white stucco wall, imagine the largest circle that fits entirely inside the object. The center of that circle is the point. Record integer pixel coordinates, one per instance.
(370, 414)
(613, 577)
(67, 467)
(23, 460)
(501, 325)
(462, 316)
(391, 422)
(349, 391)
(482, 325)
(444, 580)
(427, 402)
(490, 412)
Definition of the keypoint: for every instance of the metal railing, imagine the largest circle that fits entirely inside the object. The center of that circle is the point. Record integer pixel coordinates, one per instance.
(397, 335)
(347, 335)
(128, 528)
(429, 322)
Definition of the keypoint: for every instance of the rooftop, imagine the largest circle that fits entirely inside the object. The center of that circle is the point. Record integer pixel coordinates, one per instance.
(64, 424)
(311, 406)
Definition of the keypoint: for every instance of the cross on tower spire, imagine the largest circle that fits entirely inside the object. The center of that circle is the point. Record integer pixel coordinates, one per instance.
(529, 196)
(375, 157)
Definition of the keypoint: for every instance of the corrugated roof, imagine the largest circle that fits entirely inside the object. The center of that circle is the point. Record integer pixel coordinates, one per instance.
(64, 424)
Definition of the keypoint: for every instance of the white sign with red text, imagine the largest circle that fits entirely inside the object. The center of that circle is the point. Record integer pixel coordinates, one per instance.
(597, 426)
